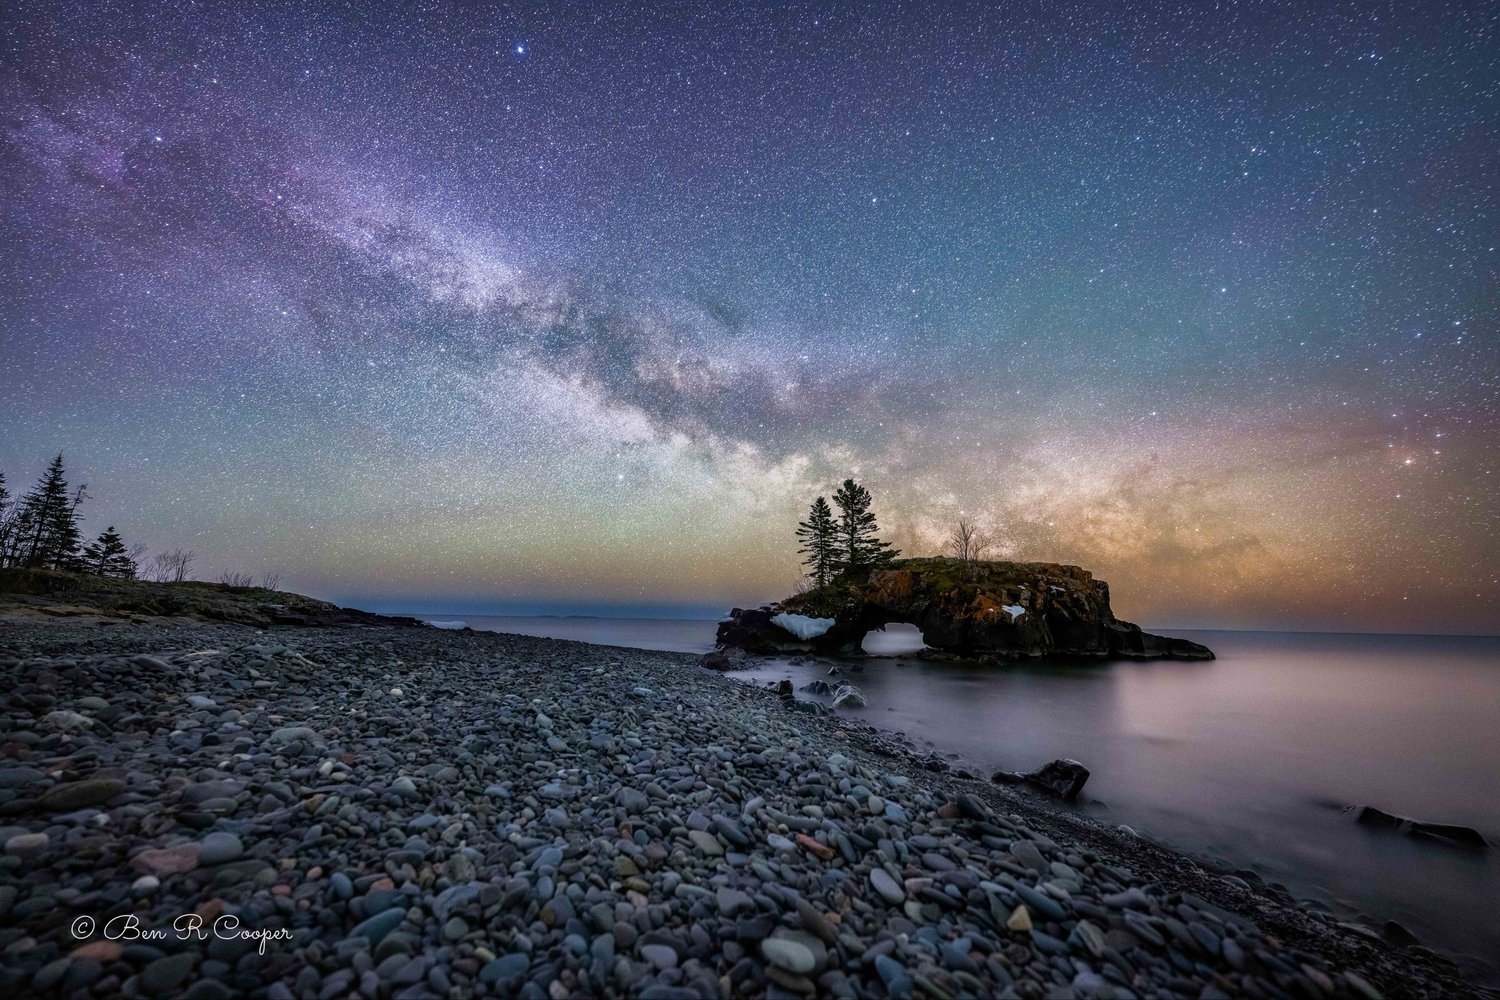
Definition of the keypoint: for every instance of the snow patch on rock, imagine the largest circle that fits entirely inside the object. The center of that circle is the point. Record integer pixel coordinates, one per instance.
(801, 626)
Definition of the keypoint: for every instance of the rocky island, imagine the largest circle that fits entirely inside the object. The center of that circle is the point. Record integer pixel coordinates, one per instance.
(985, 610)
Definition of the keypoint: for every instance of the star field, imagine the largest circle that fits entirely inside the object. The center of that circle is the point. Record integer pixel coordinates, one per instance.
(578, 306)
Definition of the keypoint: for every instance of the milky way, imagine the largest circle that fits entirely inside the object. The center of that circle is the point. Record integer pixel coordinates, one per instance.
(577, 307)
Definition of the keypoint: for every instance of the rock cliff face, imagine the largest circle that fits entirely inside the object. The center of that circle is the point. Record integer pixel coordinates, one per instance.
(986, 610)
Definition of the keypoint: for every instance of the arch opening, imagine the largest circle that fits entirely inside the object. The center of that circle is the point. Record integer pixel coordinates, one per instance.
(898, 639)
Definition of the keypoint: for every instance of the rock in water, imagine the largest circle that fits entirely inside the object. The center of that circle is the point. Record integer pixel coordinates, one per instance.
(1063, 778)
(1462, 836)
(848, 696)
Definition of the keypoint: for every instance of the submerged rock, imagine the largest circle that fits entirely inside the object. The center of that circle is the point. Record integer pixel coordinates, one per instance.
(1462, 836)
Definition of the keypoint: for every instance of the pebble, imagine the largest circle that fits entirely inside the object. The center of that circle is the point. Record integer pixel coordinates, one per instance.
(27, 846)
(75, 795)
(166, 974)
(789, 954)
(707, 843)
(219, 848)
(887, 887)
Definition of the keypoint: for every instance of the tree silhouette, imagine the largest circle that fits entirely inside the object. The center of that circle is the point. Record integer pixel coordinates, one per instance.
(108, 556)
(819, 535)
(969, 544)
(7, 522)
(47, 534)
(860, 547)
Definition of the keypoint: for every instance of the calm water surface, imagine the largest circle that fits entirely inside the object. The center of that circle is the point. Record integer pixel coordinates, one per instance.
(1248, 758)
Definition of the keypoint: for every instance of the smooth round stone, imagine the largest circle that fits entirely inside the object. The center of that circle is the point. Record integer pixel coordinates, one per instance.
(884, 884)
(219, 848)
(1043, 904)
(377, 927)
(659, 955)
(706, 843)
(80, 794)
(166, 974)
(897, 982)
(27, 845)
(504, 968)
(787, 954)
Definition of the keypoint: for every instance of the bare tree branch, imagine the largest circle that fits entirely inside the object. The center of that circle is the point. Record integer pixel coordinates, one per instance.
(968, 543)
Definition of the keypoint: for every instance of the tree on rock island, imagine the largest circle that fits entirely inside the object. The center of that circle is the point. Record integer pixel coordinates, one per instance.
(859, 547)
(820, 543)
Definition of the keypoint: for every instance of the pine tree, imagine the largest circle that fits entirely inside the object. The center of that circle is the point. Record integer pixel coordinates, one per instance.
(7, 522)
(107, 556)
(47, 525)
(819, 535)
(859, 547)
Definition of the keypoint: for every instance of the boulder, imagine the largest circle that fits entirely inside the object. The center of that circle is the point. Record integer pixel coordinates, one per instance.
(848, 696)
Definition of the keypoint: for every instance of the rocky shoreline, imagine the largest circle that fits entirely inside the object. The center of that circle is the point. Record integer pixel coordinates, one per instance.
(410, 812)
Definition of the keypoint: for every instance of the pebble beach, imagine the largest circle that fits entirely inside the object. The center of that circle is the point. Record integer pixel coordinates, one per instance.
(219, 810)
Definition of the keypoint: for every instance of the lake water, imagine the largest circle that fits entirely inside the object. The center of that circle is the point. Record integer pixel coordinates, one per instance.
(1248, 758)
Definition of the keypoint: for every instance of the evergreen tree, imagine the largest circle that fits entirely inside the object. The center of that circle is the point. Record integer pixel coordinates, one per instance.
(47, 525)
(107, 556)
(859, 547)
(819, 535)
(7, 522)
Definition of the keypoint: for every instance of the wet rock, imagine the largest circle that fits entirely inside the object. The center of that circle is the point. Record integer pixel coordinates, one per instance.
(1460, 836)
(848, 696)
(1063, 778)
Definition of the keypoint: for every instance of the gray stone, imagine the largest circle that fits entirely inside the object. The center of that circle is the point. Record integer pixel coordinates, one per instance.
(887, 887)
(219, 848)
(167, 973)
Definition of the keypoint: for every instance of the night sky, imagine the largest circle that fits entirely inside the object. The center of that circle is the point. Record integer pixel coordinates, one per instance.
(577, 307)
